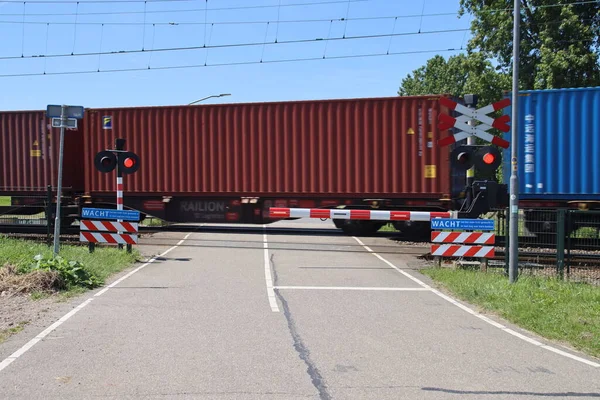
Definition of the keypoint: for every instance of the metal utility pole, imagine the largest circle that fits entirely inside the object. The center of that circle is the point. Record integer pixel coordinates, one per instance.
(471, 102)
(513, 231)
(63, 123)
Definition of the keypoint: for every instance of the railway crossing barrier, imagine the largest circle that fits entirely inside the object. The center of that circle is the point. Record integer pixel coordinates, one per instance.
(109, 226)
(337, 213)
(461, 240)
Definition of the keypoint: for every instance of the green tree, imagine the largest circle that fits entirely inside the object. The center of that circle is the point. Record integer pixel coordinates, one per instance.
(560, 40)
(459, 75)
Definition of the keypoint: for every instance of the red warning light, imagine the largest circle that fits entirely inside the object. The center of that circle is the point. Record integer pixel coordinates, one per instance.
(129, 162)
(489, 158)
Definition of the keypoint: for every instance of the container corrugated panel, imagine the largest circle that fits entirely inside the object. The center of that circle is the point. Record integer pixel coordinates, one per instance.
(356, 147)
(559, 144)
(30, 150)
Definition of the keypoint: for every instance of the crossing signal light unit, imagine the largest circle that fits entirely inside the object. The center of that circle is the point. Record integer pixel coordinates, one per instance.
(486, 159)
(106, 161)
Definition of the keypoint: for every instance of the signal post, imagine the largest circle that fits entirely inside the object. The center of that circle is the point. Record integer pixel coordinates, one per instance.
(482, 195)
(125, 162)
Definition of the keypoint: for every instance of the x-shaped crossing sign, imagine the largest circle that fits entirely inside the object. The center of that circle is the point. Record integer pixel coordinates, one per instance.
(446, 122)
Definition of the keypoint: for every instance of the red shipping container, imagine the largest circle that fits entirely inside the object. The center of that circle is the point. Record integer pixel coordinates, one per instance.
(30, 149)
(353, 148)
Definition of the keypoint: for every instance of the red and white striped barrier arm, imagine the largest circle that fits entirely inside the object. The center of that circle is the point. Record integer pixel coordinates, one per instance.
(449, 250)
(463, 237)
(114, 238)
(280, 212)
(109, 226)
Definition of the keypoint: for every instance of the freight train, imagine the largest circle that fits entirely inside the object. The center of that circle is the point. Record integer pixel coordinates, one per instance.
(230, 163)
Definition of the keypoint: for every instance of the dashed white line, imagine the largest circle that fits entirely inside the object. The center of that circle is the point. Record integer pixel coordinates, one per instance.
(478, 315)
(8, 360)
(391, 289)
(268, 278)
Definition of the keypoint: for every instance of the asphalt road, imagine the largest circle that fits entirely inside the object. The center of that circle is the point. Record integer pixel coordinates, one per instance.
(226, 316)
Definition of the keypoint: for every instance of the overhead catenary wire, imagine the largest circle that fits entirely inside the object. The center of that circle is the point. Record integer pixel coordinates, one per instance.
(263, 43)
(233, 45)
(287, 60)
(91, 1)
(499, 10)
(248, 7)
(255, 22)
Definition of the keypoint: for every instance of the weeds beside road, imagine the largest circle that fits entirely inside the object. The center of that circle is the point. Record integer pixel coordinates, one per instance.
(28, 271)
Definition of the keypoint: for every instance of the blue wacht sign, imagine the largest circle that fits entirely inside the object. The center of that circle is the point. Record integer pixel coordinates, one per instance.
(102, 213)
(463, 224)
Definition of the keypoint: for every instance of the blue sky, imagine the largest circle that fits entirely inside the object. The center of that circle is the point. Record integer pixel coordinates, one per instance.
(127, 28)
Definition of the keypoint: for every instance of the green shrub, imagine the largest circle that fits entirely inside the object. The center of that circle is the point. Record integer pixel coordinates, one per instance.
(73, 273)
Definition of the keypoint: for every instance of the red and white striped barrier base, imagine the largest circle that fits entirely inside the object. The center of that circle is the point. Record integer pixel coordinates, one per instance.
(277, 212)
(463, 237)
(109, 226)
(114, 238)
(449, 250)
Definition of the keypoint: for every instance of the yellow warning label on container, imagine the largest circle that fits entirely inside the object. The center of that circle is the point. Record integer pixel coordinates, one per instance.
(35, 153)
(5, 201)
(35, 143)
(430, 171)
(410, 131)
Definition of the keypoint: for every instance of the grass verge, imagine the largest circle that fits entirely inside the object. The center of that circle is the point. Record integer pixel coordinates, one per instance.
(28, 267)
(554, 309)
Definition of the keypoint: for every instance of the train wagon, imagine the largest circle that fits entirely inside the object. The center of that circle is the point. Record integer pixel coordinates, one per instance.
(559, 143)
(29, 148)
(230, 163)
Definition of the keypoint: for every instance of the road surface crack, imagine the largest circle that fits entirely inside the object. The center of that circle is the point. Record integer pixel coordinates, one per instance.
(303, 351)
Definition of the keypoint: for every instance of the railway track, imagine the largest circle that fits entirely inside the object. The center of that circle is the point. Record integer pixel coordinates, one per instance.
(71, 234)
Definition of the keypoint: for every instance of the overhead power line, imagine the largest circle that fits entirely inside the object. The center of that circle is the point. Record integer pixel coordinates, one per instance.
(230, 45)
(262, 22)
(248, 7)
(292, 21)
(89, 1)
(249, 44)
(579, 2)
(230, 63)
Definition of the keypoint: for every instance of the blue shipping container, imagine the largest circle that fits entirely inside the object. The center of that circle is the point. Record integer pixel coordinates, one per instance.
(559, 144)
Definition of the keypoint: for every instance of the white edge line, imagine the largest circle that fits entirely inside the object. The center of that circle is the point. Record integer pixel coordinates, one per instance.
(420, 289)
(480, 316)
(268, 278)
(8, 360)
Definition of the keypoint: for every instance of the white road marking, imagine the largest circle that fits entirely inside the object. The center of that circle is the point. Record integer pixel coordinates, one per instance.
(394, 289)
(8, 360)
(478, 315)
(268, 278)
